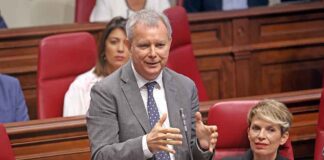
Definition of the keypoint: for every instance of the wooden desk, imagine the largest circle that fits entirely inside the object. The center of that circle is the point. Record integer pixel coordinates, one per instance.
(240, 53)
(66, 138)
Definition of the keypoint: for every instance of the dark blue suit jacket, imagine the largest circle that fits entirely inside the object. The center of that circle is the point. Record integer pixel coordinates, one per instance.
(212, 5)
(2, 22)
(12, 102)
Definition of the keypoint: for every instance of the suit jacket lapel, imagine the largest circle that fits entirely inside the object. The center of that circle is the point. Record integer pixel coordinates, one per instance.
(133, 96)
(174, 105)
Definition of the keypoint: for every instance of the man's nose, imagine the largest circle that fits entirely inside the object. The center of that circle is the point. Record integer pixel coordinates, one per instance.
(152, 51)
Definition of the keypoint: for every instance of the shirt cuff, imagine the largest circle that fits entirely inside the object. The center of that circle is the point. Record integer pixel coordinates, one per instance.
(146, 151)
(201, 150)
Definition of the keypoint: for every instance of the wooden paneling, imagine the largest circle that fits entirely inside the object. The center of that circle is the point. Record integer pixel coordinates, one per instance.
(19, 52)
(269, 49)
(50, 139)
(66, 138)
(239, 53)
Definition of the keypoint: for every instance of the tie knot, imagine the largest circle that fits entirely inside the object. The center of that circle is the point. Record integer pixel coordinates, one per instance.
(150, 85)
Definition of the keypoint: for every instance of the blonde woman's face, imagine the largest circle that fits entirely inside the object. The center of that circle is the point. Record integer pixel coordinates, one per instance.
(265, 137)
(116, 52)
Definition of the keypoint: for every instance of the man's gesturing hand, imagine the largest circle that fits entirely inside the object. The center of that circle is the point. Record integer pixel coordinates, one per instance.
(159, 137)
(207, 135)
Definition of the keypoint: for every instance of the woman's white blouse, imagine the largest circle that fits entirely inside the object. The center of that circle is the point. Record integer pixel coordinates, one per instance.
(77, 98)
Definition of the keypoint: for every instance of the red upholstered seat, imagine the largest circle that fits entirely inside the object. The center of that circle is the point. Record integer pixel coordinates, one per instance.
(231, 120)
(319, 143)
(181, 58)
(61, 58)
(83, 9)
(5, 146)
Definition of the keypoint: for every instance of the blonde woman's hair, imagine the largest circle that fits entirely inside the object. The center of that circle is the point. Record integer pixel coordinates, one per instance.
(272, 111)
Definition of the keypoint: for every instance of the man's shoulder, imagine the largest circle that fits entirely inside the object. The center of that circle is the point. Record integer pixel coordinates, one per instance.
(111, 80)
(8, 80)
(177, 76)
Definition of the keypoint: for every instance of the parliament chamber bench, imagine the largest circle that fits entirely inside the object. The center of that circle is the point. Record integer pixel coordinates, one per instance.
(239, 53)
(257, 53)
(66, 137)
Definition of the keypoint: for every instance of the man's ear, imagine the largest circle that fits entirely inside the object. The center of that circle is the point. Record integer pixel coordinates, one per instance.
(284, 138)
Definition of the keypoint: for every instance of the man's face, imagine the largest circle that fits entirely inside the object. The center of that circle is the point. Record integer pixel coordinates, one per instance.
(149, 49)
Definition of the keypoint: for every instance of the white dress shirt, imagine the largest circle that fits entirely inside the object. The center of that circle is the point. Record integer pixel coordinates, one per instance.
(234, 4)
(159, 97)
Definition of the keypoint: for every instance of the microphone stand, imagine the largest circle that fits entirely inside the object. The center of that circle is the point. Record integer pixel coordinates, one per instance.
(183, 117)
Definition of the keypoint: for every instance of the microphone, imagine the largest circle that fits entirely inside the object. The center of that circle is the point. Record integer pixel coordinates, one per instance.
(183, 117)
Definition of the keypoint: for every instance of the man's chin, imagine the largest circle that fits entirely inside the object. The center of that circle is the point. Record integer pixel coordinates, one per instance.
(152, 73)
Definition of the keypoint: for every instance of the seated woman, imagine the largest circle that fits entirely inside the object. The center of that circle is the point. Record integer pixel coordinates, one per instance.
(112, 54)
(104, 10)
(269, 122)
(12, 102)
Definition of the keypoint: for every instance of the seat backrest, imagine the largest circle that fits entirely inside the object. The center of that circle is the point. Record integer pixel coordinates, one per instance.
(61, 58)
(83, 9)
(181, 58)
(5, 145)
(232, 132)
(319, 143)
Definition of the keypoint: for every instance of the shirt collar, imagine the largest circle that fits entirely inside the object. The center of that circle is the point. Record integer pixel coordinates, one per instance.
(141, 81)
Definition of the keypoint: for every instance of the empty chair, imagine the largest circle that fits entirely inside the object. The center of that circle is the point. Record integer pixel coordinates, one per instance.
(61, 58)
(319, 143)
(5, 146)
(181, 57)
(231, 120)
(83, 9)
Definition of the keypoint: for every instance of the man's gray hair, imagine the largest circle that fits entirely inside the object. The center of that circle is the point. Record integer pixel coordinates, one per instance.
(148, 17)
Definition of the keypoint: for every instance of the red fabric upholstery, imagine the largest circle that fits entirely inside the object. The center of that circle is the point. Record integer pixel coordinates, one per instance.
(181, 58)
(319, 143)
(83, 9)
(231, 120)
(5, 145)
(61, 58)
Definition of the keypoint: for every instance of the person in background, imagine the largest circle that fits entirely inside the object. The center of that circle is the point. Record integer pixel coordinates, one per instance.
(105, 10)
(135, 113)
(225, 5)
(13, 107)
(2, 22)
(269, 122)
(218, 5)
(112, 54)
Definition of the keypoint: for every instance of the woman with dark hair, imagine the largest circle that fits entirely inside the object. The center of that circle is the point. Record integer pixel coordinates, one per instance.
(112, 54)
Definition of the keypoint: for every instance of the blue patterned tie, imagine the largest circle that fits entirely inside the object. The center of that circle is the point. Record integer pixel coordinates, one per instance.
(154, 117)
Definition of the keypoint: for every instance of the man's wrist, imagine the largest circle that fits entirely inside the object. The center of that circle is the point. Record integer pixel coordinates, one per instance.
(146, 151)
(199, 147)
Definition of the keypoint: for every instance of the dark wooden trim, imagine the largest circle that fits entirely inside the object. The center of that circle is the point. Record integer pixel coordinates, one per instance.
(66, 138)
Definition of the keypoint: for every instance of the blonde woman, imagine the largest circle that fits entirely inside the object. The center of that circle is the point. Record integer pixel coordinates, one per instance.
(269, 122)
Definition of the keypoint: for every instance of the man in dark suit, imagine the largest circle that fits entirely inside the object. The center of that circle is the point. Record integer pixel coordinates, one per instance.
(214, 5)
(134, 112)
(2, 22)
(12, 102)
